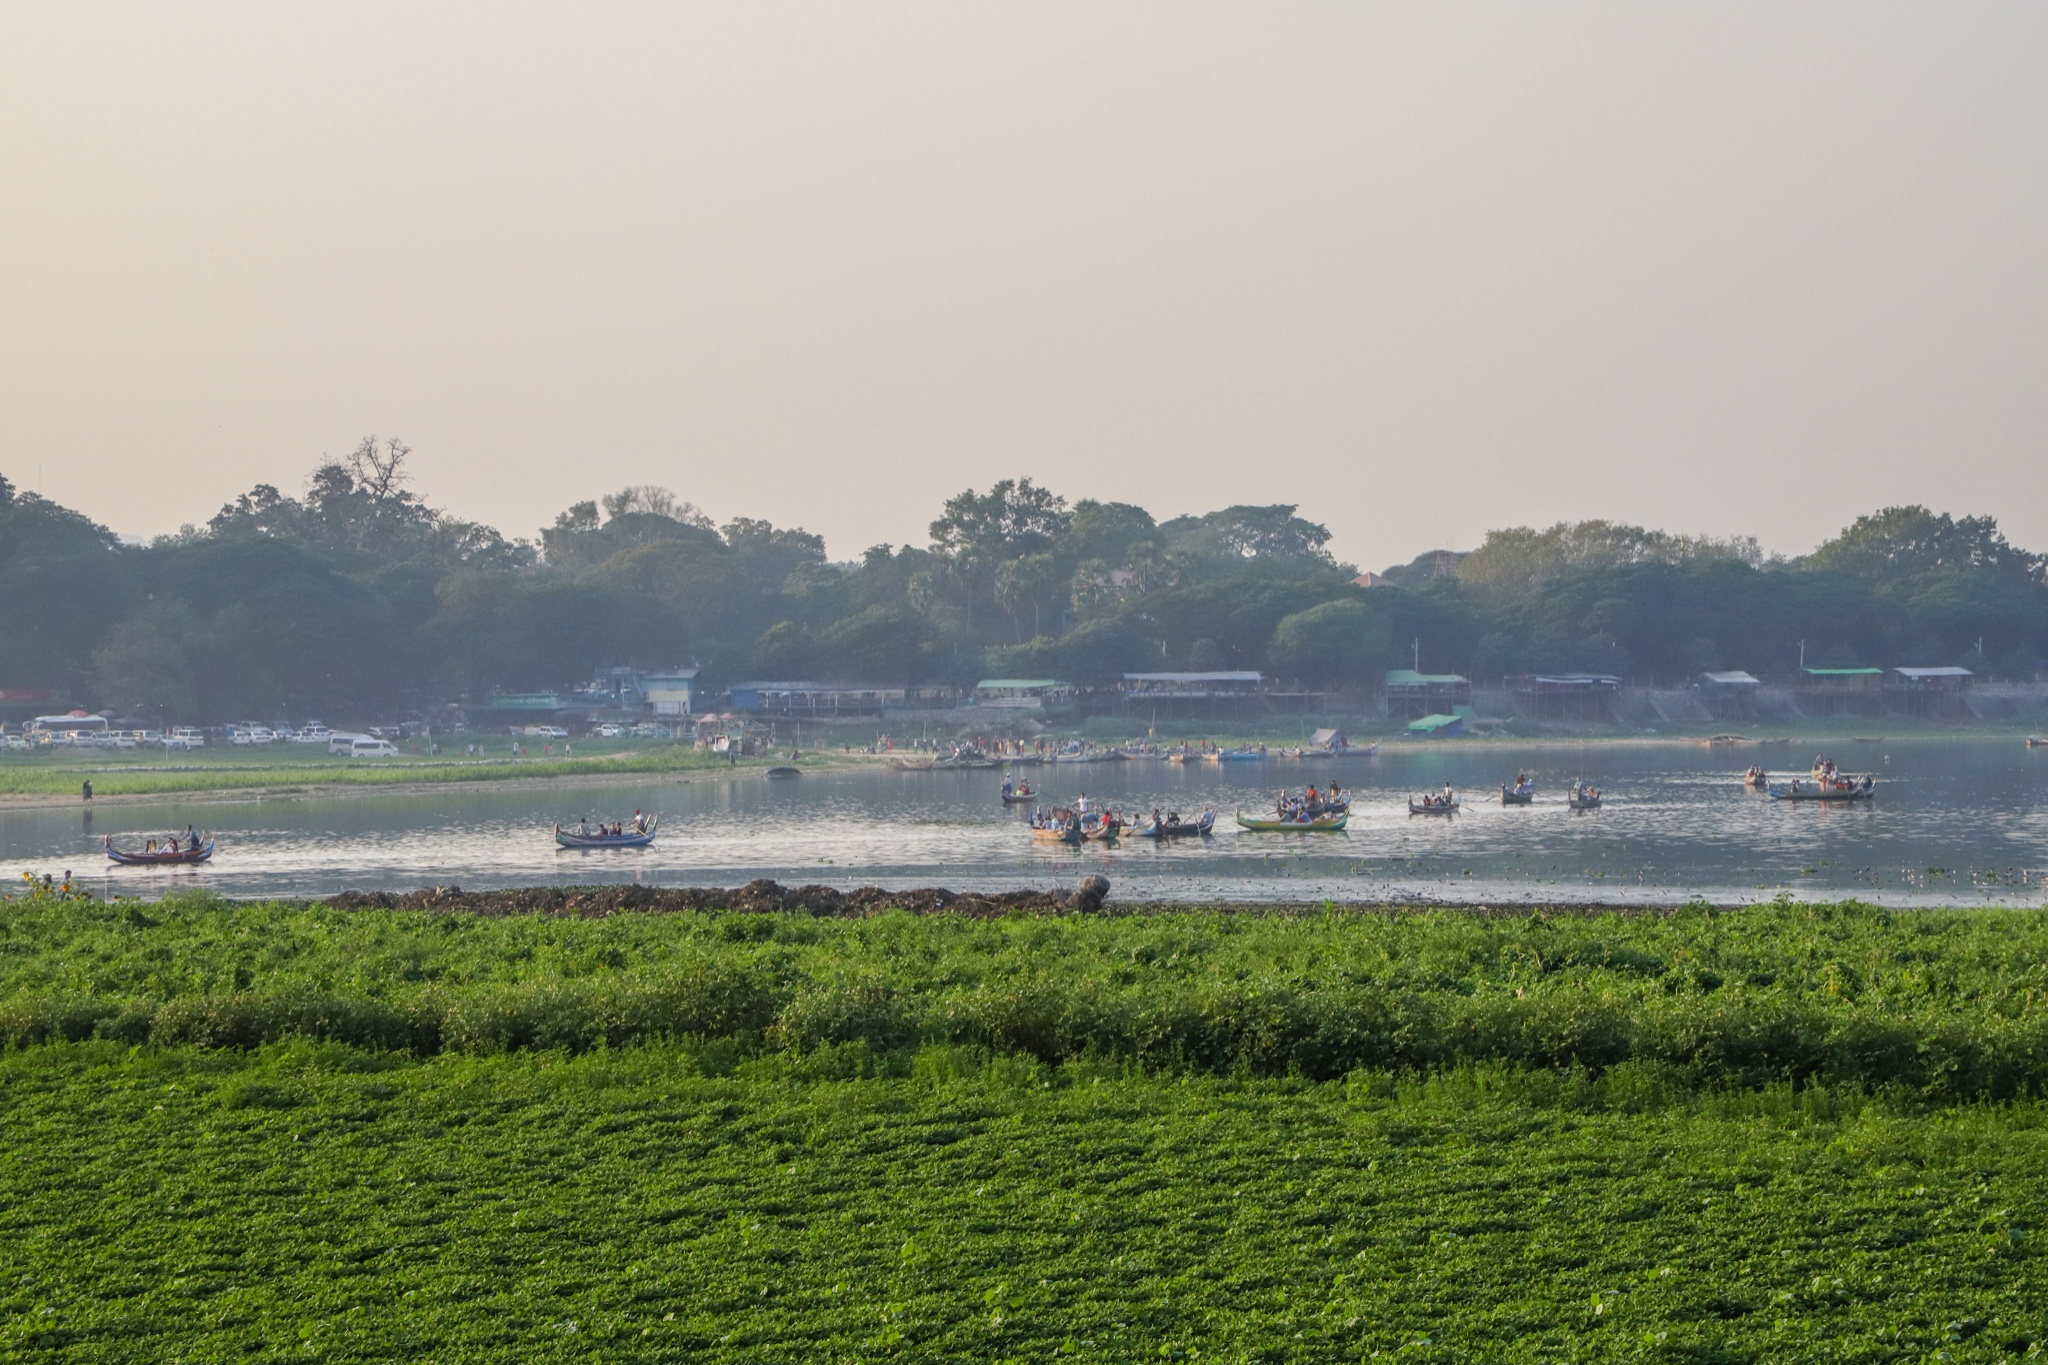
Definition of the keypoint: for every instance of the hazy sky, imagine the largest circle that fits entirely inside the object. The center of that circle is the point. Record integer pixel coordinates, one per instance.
(1422, 268)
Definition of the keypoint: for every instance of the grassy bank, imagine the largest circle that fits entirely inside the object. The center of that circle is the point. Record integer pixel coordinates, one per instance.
(314, 1134)
(295, 767)
(1938, 1005)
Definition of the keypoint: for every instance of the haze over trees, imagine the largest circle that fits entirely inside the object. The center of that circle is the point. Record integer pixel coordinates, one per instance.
(356, 596)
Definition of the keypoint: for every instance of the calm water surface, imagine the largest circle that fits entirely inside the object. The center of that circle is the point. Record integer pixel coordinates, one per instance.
(1954, 822)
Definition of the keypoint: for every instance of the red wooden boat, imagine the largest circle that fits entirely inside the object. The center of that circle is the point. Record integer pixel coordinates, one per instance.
(164, 856)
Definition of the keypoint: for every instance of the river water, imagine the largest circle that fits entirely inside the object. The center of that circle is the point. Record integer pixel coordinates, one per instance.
(1954, 822)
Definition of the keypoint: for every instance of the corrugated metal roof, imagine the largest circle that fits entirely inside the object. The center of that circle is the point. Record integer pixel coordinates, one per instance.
(1948, 672)
(1735, 679)
(1194, 677)
(1842, 672)
(1018, 683)
(1408, 677)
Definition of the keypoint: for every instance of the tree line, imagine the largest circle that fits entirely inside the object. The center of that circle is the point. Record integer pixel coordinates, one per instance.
(356, 597)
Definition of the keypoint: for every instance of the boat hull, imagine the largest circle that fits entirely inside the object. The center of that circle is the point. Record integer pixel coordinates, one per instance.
(637, 839)
(1451, 809)
(1326, 824)
(1855, 794)
(183, 857)
(1184, 829)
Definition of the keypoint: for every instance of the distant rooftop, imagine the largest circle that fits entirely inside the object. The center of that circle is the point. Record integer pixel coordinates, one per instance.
(1194, 677)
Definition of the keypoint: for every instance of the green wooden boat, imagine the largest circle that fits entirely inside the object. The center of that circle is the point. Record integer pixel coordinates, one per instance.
(1318, 825)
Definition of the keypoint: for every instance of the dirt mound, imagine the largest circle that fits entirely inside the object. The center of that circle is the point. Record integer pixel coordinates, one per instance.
(595, 902)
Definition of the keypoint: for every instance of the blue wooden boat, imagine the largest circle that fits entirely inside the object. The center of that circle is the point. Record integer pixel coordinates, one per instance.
(1177, 829)
(1855, 791)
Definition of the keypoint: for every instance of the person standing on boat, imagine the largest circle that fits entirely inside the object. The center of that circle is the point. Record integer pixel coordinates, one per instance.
(1082, 806)
(1009, 786)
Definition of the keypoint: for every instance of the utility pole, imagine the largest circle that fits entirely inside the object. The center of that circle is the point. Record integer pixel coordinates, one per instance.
(1802, 655)
(1418, 654)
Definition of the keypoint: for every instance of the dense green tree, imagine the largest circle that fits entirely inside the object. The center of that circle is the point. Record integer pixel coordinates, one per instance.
(356, 597)
(1346, 642)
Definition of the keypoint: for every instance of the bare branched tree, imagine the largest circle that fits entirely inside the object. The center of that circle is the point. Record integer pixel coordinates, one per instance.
(654, 501)
(378, 472)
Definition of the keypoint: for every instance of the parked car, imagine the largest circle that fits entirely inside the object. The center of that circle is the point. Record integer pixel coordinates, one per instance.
(652, 732)
(610, 730)
(312, 732)
(342, 742)
(366, 746)
(193, 737)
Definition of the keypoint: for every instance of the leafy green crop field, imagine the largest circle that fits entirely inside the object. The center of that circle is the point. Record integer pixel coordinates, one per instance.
(299, 1133)
(315, 1203)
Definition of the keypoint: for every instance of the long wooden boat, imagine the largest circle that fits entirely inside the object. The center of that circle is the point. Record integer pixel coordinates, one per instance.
(1063, 834)
(1023, 796)
(1416, 808)
(1583, 802)
(162, 857)
(1517, 796)
(1103, 831)
(1316, 826)
(1177, 829)
(631, 838)
(1854, 792)
(1239, 755)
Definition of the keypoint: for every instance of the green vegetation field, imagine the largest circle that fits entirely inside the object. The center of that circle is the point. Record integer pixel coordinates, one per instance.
(289, 1132)
(310, 765)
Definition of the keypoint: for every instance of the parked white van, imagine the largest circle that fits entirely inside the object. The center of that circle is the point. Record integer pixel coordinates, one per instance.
(343, 741)
(363, 746)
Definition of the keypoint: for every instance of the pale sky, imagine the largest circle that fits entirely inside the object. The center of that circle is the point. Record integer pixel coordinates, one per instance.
(1422, 268)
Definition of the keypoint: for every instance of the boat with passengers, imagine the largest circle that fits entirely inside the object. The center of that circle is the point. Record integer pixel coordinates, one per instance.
(635, 833)
(173, 851)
